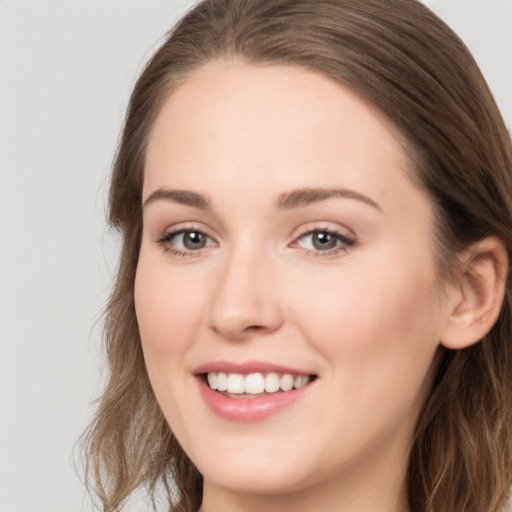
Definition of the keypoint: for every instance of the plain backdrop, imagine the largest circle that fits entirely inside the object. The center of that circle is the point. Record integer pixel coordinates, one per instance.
(66, 69)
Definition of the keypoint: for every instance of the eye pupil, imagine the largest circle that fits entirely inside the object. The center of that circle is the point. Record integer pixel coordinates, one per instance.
(324, 241)
(194, 240)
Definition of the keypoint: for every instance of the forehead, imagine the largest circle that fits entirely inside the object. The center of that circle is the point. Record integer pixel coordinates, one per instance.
(258, 127)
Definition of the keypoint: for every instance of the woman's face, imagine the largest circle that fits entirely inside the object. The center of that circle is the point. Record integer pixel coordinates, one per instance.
(285, 245)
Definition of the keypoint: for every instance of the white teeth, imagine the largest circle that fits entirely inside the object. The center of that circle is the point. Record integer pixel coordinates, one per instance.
(271, 382)
(255, 383)
(222, 381)
(286, 382)
(236, 383)
(300, 381)
(212, 380)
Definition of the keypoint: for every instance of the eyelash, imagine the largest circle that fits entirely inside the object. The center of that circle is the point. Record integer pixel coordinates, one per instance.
(343, 242)
(166, 241)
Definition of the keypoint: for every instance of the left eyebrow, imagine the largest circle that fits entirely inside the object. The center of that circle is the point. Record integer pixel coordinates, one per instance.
(305, 196)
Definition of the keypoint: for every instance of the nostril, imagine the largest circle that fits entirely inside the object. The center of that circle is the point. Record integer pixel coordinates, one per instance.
(254, 328)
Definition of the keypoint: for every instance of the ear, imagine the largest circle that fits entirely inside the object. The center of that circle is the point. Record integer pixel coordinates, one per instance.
(478, 294)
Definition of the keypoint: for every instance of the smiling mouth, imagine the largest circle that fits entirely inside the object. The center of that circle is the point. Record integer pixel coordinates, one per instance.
(255, 385)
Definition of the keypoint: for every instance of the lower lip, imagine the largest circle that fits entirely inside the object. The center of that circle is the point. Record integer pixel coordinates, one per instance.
(249, 409)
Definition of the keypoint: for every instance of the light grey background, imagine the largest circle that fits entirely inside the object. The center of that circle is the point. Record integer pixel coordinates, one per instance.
(66, 68)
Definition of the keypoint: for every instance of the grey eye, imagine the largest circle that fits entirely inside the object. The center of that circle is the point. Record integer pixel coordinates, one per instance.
(320, 240)
(190, 240)
(323, 241)
(186, 241)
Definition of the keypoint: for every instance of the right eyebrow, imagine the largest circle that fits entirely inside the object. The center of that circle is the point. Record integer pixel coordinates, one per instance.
(186, 197)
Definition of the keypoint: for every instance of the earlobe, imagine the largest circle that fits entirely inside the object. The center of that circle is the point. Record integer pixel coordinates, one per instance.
(479, 294)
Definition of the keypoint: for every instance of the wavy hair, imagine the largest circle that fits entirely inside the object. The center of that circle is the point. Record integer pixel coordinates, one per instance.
(404, 61)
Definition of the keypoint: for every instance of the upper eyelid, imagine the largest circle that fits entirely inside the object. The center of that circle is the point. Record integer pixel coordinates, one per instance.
(347, 239)
(178, 228)
(306, 229)
(186, 226)
(343, 233)
(312, 227)
(166, 239)
(169, 236)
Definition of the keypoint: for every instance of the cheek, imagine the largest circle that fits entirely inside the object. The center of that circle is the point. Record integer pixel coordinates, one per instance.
(378, 328)
(365, 310)
(167, 310)
(168, 307)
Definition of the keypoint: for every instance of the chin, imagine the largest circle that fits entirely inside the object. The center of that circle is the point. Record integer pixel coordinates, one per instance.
(258, 480)
(263, 469)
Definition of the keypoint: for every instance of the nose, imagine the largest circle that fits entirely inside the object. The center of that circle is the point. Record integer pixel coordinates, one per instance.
(244, 302)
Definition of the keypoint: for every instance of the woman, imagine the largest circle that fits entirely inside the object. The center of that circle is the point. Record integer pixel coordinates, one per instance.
(312, 309)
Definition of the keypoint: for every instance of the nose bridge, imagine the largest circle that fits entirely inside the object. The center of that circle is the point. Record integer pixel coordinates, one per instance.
(244, 299)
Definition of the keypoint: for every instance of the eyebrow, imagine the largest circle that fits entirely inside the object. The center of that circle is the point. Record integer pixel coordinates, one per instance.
(305, 196)
(287, 200)
(186, 197)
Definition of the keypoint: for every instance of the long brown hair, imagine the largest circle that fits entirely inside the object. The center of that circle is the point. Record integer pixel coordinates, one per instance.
(402, 59)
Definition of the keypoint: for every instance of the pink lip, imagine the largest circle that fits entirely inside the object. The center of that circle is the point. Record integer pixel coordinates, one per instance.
(246, 368)
(248, 409)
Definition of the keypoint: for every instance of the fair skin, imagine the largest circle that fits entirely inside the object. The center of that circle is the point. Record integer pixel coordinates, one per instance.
(337, 282)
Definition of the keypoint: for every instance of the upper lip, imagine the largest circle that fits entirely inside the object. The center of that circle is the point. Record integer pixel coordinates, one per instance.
(247, 367)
